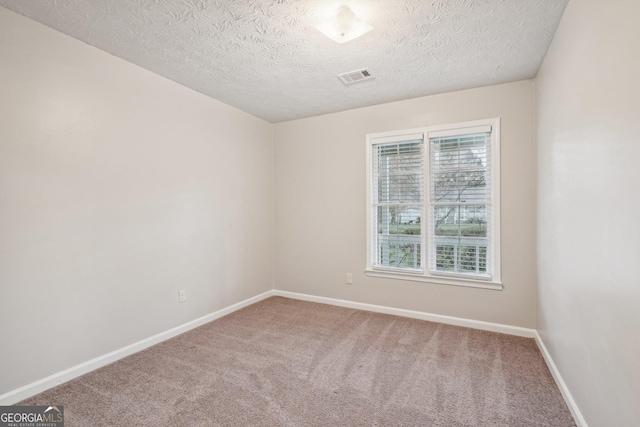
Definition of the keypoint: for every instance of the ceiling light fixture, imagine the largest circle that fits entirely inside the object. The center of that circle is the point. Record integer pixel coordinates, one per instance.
(344, 26)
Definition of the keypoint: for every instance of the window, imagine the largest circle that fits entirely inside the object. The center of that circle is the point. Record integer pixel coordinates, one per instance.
(433, 204)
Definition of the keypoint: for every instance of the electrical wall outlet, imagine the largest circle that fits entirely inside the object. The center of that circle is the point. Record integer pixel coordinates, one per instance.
(349, 279)
(182, 295)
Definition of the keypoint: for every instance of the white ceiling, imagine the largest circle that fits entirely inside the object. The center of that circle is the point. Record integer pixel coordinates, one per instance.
(265, 56)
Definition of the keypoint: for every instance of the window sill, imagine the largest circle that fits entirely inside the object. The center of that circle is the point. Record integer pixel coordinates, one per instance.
(453, 281)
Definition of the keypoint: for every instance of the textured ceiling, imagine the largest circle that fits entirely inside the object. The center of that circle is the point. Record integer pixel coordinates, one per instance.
(266, 57)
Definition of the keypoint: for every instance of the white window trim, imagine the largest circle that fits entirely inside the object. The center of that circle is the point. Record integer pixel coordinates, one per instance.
(495, 282)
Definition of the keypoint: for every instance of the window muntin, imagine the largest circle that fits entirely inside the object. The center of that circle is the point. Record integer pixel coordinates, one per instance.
(433, 204)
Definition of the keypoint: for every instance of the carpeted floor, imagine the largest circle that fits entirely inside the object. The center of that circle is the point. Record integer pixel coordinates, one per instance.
(284, 362)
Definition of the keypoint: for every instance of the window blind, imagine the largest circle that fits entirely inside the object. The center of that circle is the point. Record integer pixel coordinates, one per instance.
(460, 202)
(397, 203)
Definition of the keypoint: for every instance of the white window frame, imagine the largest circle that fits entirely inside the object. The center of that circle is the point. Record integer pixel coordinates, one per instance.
(492, 282)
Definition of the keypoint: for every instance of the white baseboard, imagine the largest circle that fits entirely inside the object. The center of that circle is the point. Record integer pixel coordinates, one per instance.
(449, 320)
(577, 415)
(39, 386)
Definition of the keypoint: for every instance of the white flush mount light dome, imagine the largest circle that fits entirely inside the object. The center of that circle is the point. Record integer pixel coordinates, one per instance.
(344, 26)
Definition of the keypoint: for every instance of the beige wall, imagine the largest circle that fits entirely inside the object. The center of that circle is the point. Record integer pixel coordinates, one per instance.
(588, 110)
(320, 205)
(117, 188)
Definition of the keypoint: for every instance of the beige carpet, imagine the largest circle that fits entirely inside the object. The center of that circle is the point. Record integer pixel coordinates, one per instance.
(283, 362)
